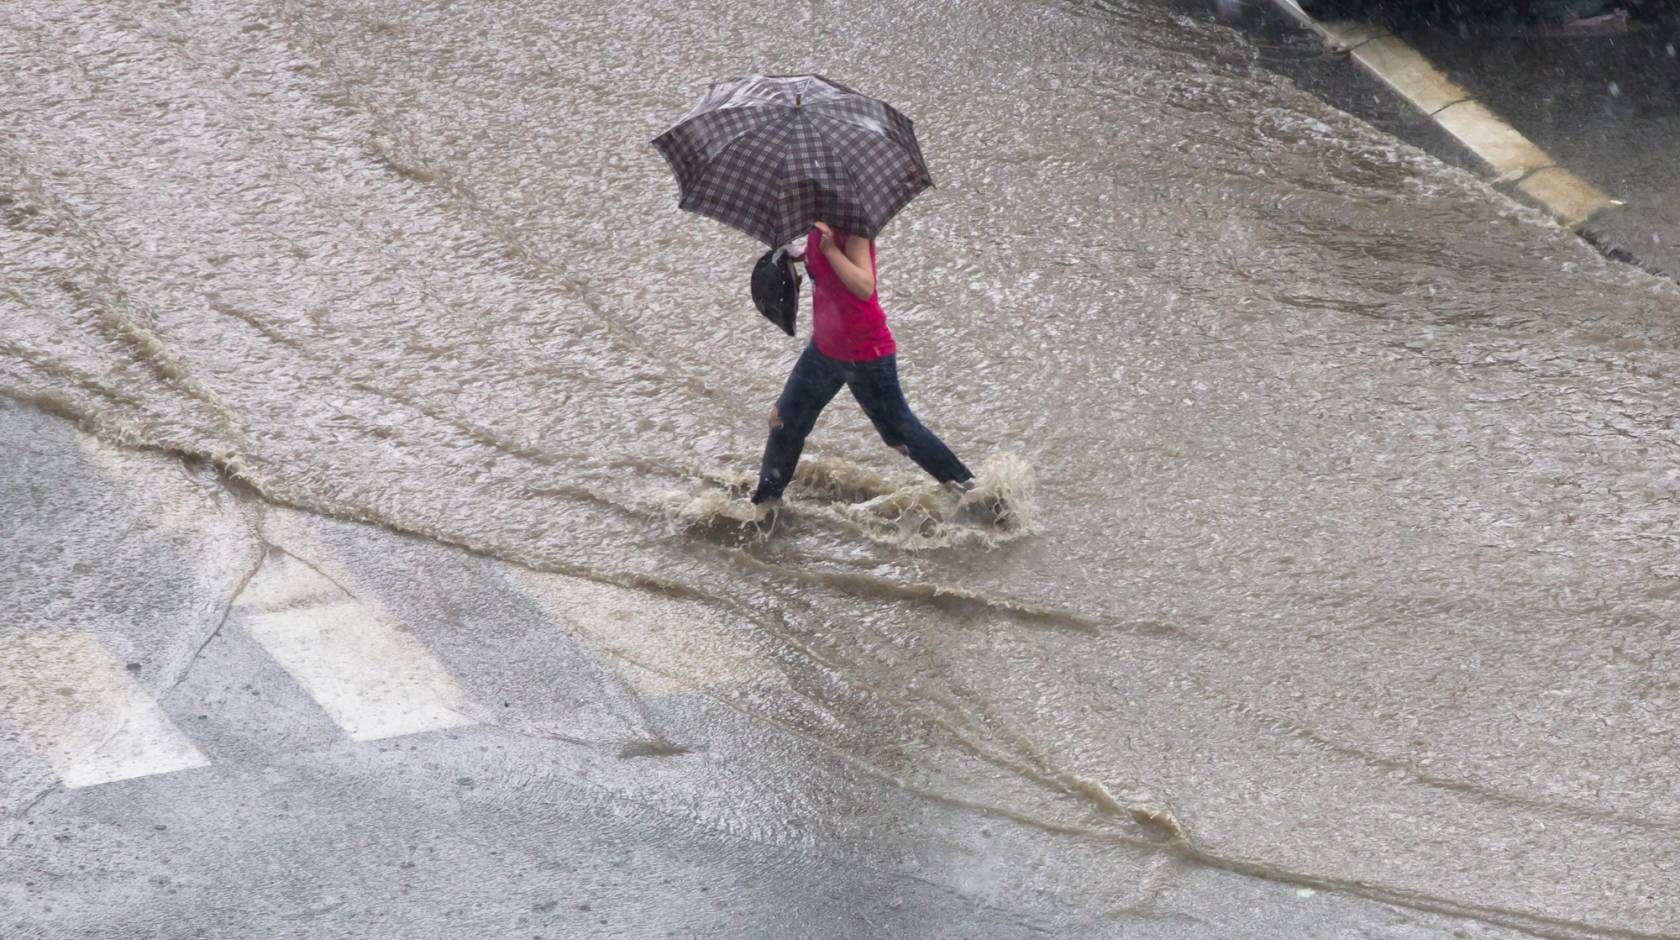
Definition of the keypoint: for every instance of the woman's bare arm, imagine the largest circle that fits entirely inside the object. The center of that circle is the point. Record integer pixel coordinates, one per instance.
(852, 265)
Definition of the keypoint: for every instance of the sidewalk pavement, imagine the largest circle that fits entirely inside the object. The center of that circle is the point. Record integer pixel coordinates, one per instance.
(1604, 107)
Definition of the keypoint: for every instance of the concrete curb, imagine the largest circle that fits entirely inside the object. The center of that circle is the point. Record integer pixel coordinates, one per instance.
(1514, 159)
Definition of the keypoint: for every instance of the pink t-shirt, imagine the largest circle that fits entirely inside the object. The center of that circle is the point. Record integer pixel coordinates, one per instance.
(842, 326)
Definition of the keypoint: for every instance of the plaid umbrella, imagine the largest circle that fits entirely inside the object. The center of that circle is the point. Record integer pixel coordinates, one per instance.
(769, 155)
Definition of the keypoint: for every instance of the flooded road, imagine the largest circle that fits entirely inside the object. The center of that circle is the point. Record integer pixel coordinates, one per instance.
(1352, 562)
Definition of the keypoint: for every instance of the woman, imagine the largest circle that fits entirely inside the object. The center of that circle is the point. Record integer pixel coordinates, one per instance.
(850, 346)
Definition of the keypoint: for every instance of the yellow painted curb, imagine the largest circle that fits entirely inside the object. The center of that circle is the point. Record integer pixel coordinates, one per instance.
(1501, 146)
(1401, 68)
(1348, 34)
(1572, 199)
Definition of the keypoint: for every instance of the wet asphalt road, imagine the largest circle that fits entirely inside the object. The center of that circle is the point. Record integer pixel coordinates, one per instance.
(578, 794)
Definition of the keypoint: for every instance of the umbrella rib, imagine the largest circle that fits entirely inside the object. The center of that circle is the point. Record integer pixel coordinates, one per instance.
(911, 146)
(840, 159)
(687, 118)
(781, 172)
(718, 157)
(868, 124)
(781, 183)
(914, 151)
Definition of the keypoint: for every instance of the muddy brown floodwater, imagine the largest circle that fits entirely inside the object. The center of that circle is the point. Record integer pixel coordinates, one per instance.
(1354, 555)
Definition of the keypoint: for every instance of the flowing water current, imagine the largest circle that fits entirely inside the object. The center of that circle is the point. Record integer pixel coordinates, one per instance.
(1351, 554)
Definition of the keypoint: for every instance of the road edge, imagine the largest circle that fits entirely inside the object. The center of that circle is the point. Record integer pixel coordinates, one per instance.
(1517, 164)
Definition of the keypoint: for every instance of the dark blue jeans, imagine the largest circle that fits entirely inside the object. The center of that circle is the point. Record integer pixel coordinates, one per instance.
(813, 383)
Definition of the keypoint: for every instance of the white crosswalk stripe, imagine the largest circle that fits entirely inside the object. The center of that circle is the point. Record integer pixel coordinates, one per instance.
(374, 680)
(89, 718)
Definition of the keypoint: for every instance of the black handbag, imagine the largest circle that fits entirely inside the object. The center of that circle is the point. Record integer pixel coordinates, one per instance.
(775, 288)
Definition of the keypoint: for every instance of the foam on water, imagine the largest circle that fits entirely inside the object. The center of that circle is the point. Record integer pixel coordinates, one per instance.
(915, 514)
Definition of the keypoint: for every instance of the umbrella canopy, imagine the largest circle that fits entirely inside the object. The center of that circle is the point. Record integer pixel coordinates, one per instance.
(770, 154)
